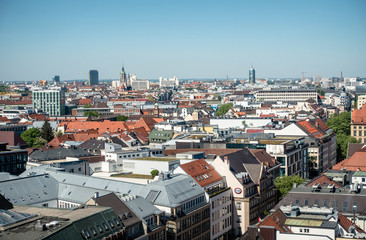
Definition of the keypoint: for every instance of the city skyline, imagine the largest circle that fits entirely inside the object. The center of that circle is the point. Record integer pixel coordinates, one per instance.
(40, 39)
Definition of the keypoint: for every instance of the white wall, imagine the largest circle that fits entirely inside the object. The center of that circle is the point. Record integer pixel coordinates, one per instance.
(146, 166)
(233, 123)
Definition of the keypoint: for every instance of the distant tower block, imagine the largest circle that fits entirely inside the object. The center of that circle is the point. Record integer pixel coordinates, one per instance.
(252, 75)
(93, 77)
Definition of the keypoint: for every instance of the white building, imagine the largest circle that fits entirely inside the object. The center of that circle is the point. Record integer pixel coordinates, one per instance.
(168, 82)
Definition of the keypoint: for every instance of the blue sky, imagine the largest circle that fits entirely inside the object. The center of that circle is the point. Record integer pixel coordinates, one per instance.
(189, 39)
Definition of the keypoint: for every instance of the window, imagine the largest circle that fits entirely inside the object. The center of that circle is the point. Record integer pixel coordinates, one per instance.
(93, 231)
(306, 202)
(99, 229)
(105, 226)
(86, 233)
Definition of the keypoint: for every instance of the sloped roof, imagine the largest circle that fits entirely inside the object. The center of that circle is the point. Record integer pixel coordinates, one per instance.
(207, 151)
(56, 141)
(173, 191)
(94, 144)
(245, 161)
(323, 181)
(60, 153)
(359, 115)
(202, 172)
(346, 223)
(355, 163)
(142, 208)
(262, 156)
(12, 139)
(126, 215)
(277, 220)
(101, 126)
(355, 147)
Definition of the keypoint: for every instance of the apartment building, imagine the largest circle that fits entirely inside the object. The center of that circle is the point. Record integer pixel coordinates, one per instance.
(220, 196)
(185, 204)
(253, 188)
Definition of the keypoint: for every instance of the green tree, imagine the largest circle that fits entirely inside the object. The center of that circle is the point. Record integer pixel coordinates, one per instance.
(87, 106)
(4, 88)
(341, 125)
(91, 114)
(30, 136)
(39, 142)
(321, 92)
(122, 118)
(219, 98)
(47, 131)
(342, 145)
(59, 133)
(285, 183)
(224, 109)
(154, 173)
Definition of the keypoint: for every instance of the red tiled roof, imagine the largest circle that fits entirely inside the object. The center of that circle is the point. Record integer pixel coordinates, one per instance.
(85, 101)
(38, 117)
(255, 131)
(312, 130)
(359, 115)
(202, 172)
(61, 139)
(101, 126)
(324, 181)
(276, 220)
(355, 163)
(346, 223)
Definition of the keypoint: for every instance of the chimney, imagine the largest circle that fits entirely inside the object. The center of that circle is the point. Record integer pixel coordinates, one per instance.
(226, 160)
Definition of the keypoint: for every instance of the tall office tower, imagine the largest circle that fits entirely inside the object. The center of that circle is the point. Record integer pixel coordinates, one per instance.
(93, 77)
(50, 101)
(56, 80)
(252, 75)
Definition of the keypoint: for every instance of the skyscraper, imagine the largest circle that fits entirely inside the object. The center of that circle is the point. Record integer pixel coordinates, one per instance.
(252, 75)
(50, 101)
(56, 80)
(93, 77)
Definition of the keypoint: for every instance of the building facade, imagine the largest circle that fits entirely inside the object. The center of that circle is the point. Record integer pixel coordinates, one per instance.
(93, 77)
(50, 101)
(12, 161)
(358, 124)
(252, 75)
(287, 95)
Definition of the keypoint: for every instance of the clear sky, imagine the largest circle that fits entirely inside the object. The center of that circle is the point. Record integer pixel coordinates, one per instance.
(189, 39)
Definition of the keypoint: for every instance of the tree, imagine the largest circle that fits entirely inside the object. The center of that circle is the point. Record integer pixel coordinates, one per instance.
(341, 125)
(59, 133)
(30, 136)
(39, 142)
(154, 173)
(285, 183)
(4, 88)
(47, 131)
(87, 106)
(224, 109)
(342, 145)
(219, 98)
(91, 114)
(122, 118)
(321, 92)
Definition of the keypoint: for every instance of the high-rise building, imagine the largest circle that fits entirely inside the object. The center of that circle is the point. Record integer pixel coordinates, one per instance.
(51, 100)
(252, 75)
(93, 77)
(56, 80)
